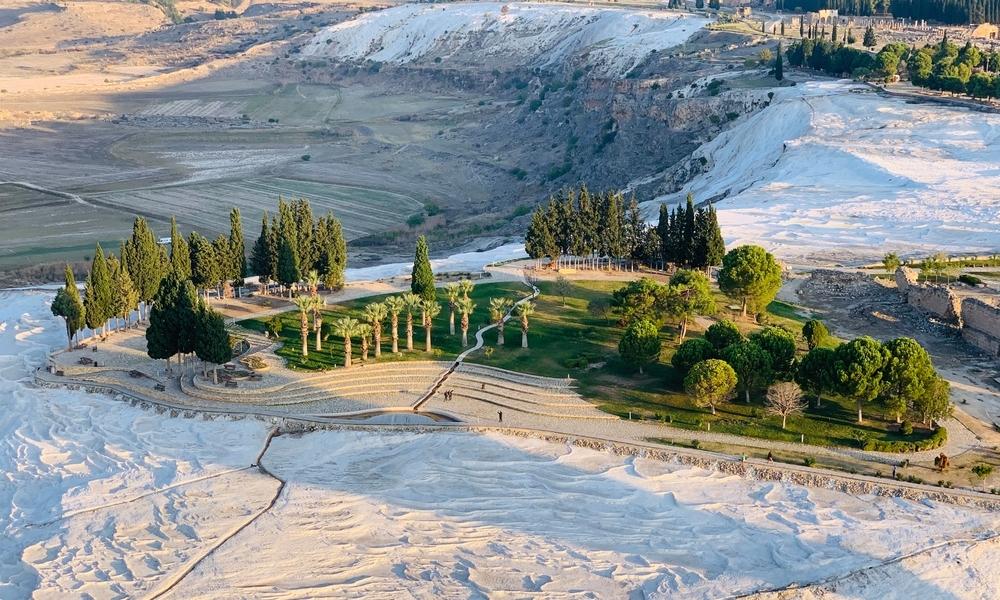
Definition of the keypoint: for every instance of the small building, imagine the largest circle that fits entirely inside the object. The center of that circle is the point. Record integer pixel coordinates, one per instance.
(773, 26)
(985, 31)
(822, 16)
(743, 11)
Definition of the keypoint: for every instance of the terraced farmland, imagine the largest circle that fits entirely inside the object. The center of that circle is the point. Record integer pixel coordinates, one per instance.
(205, 206)
(37, 226)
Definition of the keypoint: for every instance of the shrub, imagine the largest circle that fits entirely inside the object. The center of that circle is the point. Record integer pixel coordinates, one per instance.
(809, 461)
(982, 470)
(415, 220)
(970, 279)
(695, 444)
(906, 428)
(935, 440)
(306, 157)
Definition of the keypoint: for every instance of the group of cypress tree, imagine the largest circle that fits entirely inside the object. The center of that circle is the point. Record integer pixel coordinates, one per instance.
(589, 229)
(690, 236)
(293, 243)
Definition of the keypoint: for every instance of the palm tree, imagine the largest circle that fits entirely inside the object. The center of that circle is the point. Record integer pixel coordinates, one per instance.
(465, 287)
(411, 303)
(465, 307)
(375, 314)
(305, 305)
(454, 291)
(429, 310)
(365, 332)
(498, 310)
(524, 310)
(394, 305)
(346, 328)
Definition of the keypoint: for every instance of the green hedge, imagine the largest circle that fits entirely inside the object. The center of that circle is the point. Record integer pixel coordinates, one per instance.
(935, 440)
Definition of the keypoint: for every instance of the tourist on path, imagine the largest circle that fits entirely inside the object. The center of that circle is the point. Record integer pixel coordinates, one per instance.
(500, 415)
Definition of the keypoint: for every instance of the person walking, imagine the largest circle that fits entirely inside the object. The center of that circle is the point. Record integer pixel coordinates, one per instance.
(500, 415)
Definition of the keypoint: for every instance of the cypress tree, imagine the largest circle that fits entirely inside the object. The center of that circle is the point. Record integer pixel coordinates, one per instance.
(332, 252)
(180, 257)
(688, 244)
(204, 262)
(613, 226)
(144, 261)
(67, 304)
(185, 318)
(98, 300)
(223, 261)
(587, 221)
(260, 255)
(676, 235)
(701, 234)
(636, 230)
(212, 343)
(539, 241)
(288, 264)
(663, 232)
(304, 248)
(779, 63)
(422, 278)
(716, 245)
(237, 246)
(172, 327)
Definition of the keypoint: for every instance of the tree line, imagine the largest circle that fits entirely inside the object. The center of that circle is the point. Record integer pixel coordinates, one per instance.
(164, 288)
(293, 243)
(951, 12)
(942, 66)
(589, 230)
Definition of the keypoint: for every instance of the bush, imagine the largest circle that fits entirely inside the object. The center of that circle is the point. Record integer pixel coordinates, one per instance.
(906, 428)
(306, 157)
(695, 444)
(970, 279)
(809, 461)
(935, 440)
(415, 220)
(982, 470)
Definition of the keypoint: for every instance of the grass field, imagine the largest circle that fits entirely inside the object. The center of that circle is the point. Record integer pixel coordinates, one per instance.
(445, 346)
(567, 340)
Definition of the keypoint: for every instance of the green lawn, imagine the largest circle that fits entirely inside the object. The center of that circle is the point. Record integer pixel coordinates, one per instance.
(567, 340)
(446, 347)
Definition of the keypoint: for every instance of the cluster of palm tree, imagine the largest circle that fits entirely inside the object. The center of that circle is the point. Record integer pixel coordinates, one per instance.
(376, 315)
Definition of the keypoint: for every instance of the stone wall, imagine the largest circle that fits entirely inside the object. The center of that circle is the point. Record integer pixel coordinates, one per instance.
(981, 325)
(978, 320)
(934, 299)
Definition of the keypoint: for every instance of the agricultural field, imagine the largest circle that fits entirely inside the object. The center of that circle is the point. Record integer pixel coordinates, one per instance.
(37, 226)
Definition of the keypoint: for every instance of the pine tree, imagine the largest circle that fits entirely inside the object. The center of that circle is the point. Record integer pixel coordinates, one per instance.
(98, 300)
(67, 304)
(260, 255)
(688, 244)
(422, 278)
(180, 257)
(779, 63)
(237, 246)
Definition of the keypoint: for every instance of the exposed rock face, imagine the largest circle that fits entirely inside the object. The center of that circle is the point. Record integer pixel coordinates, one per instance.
(981, 325)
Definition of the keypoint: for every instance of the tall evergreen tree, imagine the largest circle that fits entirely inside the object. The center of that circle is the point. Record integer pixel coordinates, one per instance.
(125, 297)
(67, 304)
(223, 260)
(288, 264)
(689, 217)
(144, 261)
(212, 342)
(663, 232)
(98, 298)
(422, 278)
(331, 252)
(171, 320)
(779, 61)
(613, 226)
(700, 242)
(304, 226)
(636, 229)
(715, 245)
(180, 257)
(261, 256)
(237, 246)
(205, 272)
